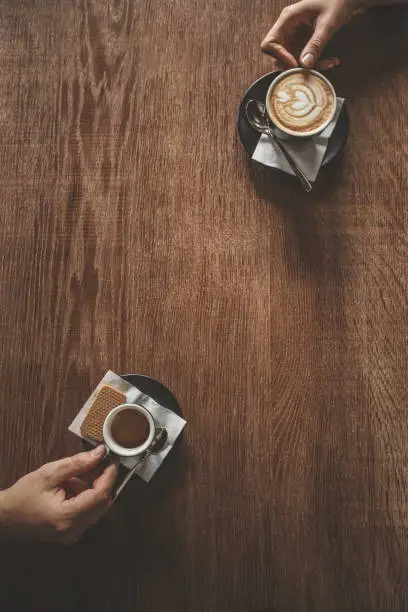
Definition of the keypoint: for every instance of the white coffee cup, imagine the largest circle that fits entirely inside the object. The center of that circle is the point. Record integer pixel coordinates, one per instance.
(286, 131)
(113, 445)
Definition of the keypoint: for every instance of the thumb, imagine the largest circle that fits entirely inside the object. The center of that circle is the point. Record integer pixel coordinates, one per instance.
(316, 44)
(62, 470)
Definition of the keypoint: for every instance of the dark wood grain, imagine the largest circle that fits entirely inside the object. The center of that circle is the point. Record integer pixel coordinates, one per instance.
(137, 236)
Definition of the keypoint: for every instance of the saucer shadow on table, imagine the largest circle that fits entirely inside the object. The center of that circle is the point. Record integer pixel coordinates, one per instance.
(249, 137)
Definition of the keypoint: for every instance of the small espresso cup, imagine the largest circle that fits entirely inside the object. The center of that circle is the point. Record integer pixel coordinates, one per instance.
(124, 451)
(283, 130)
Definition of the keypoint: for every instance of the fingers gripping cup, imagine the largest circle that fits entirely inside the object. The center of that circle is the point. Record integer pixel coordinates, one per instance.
(129, 430)
(301, 102)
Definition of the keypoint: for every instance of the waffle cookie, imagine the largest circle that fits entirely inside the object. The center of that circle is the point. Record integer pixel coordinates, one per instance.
(106, 399)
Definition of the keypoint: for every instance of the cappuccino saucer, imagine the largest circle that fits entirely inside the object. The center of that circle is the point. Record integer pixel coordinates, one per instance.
(249, 137)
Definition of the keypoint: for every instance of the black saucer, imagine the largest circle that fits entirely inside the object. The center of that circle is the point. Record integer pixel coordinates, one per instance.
(155, 389)
(249, 137)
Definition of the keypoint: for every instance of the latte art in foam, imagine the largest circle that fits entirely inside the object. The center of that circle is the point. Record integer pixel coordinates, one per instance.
(301, 102)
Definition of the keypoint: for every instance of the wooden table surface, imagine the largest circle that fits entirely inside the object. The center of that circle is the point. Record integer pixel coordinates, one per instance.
(136, 235)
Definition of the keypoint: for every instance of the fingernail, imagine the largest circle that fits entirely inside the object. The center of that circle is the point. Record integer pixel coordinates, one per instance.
(307, 60)
(99, 450)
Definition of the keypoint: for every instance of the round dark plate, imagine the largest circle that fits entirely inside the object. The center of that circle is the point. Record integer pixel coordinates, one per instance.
(155, 389)
(249, 137)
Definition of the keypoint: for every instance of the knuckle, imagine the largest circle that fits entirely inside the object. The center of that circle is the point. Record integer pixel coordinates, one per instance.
(286, 12)
(316, 43)
(62, 527)
(268, 44)
(47, 471)
(75, 462)
(104, 497)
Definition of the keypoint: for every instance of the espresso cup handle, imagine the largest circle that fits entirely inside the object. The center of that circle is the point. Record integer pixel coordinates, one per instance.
(107, 453)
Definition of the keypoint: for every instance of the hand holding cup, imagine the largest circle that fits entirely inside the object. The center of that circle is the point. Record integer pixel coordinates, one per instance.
(303, 29)
(55, 503)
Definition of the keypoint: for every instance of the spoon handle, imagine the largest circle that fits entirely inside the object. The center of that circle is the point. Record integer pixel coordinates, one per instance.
(131, 472)
(307, 185)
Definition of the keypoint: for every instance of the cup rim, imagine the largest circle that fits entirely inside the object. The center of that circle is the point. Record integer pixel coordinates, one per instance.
(293, 132)
(117, 448)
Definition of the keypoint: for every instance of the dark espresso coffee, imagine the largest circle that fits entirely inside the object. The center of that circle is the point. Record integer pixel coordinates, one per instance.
(130, 428)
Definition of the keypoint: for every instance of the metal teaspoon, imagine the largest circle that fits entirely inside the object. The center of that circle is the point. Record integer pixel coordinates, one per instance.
(259, 121)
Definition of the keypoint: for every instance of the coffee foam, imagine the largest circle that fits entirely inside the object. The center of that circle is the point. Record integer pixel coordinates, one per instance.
(301, 102)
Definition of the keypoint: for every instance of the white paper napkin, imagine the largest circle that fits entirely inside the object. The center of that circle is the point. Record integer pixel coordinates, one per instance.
(308, 153)
(164, 417)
